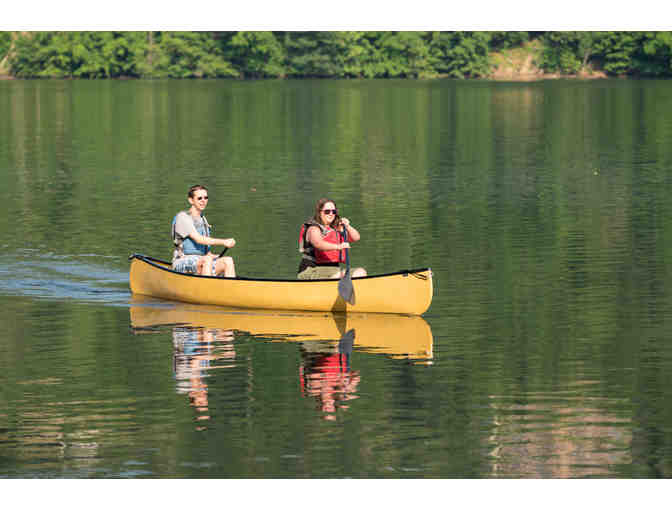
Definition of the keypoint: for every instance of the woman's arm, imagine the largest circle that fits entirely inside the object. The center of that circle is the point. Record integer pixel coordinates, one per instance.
(316, 240)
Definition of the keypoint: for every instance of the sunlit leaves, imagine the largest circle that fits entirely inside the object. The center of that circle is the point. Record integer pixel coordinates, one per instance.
(342, 54)
(617, 50)
(656, 57)
(191, 55)
(461, 54)
(5, 43)
(618, 53)
(256, 54)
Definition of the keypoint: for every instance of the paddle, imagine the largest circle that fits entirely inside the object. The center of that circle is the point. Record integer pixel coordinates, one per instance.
(223, 252)
(345, 288)
(345, 348)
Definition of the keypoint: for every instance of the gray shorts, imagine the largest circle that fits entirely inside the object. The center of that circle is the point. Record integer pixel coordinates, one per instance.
(186, 264)
(189, 264)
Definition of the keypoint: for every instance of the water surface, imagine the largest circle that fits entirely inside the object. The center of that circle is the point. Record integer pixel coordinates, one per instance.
(542, 209)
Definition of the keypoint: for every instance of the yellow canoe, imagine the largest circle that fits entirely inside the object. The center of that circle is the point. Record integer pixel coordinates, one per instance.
(394, 335)
(404, 292)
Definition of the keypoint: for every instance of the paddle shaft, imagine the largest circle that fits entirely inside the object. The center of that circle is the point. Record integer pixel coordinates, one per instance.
(345, 288)
(347, 252)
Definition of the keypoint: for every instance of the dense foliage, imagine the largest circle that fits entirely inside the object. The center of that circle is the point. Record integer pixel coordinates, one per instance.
(5, 41)
(617, 53)
(324, 54)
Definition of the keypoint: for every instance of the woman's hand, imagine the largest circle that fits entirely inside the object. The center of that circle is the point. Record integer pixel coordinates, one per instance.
(229, 243)
(353, 234)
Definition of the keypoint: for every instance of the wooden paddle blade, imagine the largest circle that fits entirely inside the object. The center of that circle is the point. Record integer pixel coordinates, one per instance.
(346, 289)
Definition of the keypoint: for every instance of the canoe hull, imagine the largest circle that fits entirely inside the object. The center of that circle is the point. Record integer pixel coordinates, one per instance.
(394, 335)
(407, 292)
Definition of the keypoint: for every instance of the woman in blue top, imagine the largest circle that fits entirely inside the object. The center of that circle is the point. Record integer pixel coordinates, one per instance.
(191, 237)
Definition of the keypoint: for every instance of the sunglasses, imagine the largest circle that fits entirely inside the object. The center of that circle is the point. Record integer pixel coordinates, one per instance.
(330, 211)
(201, 198)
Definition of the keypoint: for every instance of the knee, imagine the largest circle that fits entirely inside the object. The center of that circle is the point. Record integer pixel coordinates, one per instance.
(205, 265)
(360, 271)
(225, 264)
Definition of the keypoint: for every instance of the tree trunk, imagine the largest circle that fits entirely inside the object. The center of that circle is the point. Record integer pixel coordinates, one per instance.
(586, 56)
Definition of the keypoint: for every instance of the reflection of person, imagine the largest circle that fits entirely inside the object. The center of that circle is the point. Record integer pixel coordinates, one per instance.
(191, 237)
(321, 243)
(327, 377)
(195, 349)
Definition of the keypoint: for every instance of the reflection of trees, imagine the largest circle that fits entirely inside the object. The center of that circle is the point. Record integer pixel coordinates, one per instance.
(558, 436)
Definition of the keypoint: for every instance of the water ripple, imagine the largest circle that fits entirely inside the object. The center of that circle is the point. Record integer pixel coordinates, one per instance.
(81, 277)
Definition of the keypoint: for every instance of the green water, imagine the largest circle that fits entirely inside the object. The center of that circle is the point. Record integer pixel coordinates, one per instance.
(541, 208)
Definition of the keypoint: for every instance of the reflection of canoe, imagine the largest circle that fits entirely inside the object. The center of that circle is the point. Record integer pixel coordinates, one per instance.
(396, 335)
(405, 292)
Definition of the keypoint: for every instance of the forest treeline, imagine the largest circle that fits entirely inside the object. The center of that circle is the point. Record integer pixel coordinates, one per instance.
(386, 54)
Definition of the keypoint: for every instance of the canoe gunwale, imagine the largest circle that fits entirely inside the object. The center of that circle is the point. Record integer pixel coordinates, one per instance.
(157, 264)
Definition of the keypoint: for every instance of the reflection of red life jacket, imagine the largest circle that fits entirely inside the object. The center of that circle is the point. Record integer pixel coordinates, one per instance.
(319, 257)
(327, 367)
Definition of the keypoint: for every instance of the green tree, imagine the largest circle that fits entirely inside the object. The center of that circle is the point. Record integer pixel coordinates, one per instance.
(405, 55)
(571, 52)
(355, 54)
(124, 53)
(461, 54)
(343, 54)
(506, 40)
(615, 51)
(561, 52)
(48, 55)
(76, 55)
(587, 44)
(309, 55)
(187, 55)
(5, 43)
(254, 54)
(352, 55)
(655, 56)
(5, 46)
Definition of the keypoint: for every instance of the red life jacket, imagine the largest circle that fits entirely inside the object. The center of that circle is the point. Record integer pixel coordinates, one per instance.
(319, 257)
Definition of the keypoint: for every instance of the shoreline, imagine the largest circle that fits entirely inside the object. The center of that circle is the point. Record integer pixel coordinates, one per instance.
(500, 76)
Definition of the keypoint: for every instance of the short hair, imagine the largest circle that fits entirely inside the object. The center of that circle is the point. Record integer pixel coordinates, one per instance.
(194, 189)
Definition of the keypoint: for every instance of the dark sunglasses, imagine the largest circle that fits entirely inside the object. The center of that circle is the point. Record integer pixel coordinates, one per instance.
(201, 198)
(330, 211)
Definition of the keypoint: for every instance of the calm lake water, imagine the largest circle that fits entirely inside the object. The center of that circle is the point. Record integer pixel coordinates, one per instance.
(542, 208)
